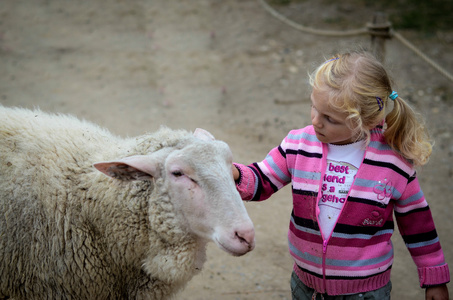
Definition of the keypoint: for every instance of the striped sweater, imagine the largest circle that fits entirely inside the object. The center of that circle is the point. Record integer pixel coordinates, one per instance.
(358, 255)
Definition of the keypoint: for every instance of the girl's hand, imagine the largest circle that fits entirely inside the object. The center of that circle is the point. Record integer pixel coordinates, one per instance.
(438, 292)
(236, 173)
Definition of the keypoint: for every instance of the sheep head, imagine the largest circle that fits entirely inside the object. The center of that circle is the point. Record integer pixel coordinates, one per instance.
(199, 181)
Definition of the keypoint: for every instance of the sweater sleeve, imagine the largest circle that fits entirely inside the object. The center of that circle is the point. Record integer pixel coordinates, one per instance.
(246, 182)
(417, 228)
(258, 181)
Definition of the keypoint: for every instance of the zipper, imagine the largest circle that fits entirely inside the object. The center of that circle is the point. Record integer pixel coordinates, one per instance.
(324, 251)
(325, 240)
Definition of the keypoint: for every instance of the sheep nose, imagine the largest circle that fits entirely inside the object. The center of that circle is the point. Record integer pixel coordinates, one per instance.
(246, 236)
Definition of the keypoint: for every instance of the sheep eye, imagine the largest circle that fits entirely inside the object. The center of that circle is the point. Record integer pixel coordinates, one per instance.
(177, 173)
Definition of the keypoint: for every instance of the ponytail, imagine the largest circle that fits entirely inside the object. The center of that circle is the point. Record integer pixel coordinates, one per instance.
(406, 133)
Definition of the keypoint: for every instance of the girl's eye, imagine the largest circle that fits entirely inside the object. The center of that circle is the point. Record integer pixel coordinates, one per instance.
(177, 173)
(330, 120)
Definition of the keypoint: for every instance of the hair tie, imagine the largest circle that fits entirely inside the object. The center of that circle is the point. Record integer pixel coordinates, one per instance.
(332, 59)
(380, 103)
(393, 95)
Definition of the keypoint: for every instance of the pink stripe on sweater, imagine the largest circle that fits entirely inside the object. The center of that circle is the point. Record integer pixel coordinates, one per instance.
(389, 157)
(305, 184)
(370, 194)
(414, 205)
(425, 260)
(311, 148)
(359, 273)
(354, 253)
(345, 253)
(274, 178)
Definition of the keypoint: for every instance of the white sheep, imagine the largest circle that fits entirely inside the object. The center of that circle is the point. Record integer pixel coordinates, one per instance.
(67, 231)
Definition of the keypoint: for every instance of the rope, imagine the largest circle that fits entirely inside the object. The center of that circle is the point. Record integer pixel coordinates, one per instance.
(422, 55)
(285, 20)
(360, 31)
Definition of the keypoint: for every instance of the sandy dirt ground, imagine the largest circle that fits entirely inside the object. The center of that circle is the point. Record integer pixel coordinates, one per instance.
(228, 67)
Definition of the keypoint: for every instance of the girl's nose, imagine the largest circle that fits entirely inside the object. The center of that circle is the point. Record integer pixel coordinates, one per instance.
(316, 121)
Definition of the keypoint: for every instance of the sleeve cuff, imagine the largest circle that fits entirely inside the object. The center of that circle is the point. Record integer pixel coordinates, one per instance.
(243, 184)
(431, 276)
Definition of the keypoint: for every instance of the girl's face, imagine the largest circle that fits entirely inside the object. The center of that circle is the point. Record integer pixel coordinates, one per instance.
(330, 125)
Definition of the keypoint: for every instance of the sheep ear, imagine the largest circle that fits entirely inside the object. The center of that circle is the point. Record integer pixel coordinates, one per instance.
(139, 167)
(203, 135)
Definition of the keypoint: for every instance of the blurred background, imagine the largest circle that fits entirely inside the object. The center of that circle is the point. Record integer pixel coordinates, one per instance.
(232, 68)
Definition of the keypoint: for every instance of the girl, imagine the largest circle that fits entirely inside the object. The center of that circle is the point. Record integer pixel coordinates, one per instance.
(350, 171)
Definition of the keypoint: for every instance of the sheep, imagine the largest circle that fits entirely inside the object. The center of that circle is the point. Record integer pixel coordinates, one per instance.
(85, 214)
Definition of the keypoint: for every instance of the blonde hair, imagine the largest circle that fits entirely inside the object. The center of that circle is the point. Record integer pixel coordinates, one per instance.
(358, 84)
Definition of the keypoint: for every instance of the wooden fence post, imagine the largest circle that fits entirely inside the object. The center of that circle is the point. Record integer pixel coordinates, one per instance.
(380, 31)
